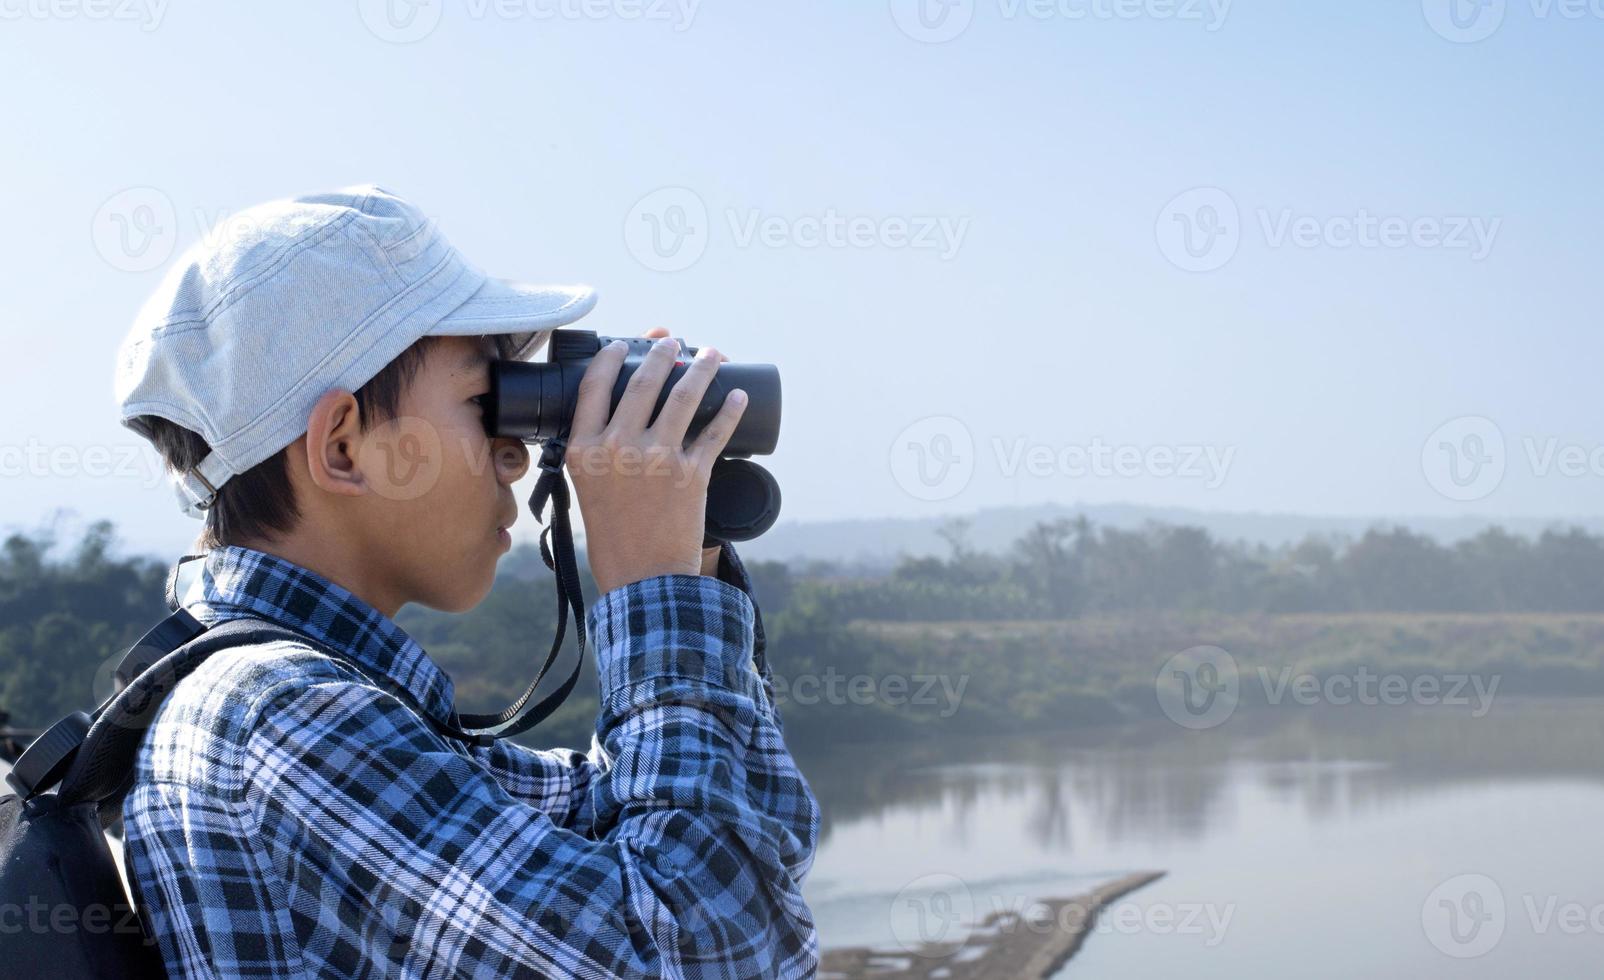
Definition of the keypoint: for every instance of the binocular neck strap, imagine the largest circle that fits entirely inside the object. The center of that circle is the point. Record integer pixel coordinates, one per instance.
(521, 716)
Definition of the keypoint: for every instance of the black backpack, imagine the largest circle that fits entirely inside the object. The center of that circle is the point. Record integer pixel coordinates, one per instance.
(63, 910)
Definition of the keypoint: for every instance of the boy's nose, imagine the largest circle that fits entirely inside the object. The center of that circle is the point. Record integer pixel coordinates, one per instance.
(512, 460)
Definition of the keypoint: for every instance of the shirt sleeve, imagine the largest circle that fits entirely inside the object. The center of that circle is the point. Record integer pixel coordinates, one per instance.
(700, 828)
(733, 571)
(559, 780)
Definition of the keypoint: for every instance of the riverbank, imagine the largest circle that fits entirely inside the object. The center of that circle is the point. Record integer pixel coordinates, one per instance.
(1005, 945)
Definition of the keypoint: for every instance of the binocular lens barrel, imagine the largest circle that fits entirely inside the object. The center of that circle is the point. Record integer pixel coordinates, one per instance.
(535, 401)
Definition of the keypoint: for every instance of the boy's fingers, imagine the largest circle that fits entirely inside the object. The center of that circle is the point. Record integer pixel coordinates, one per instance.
(716, 435)
(675, 418)
(640, 394)
(596, 391)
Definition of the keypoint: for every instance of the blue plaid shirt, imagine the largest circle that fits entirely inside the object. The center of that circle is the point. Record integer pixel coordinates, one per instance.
(295, 814)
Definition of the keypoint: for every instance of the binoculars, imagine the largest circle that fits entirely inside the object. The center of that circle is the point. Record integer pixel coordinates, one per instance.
(534, 401)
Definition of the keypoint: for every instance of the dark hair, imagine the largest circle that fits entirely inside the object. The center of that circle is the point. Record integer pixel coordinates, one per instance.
(260, 503)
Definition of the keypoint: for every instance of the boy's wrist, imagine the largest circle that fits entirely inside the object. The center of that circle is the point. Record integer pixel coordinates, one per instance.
(710, 557)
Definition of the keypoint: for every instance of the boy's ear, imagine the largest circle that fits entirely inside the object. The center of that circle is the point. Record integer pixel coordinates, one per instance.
(333, 444)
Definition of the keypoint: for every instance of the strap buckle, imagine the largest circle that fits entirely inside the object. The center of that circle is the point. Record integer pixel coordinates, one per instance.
(553, 453)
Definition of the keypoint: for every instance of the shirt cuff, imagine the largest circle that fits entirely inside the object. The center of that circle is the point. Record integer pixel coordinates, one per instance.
(682, 627)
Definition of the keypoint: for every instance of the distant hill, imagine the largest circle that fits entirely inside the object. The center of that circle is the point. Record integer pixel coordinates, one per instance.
(874, 544)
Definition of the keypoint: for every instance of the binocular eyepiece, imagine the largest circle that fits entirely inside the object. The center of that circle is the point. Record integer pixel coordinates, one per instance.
(535, 401)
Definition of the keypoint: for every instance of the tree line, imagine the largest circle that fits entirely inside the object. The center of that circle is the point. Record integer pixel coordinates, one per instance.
(1070, 567)
(68, 609)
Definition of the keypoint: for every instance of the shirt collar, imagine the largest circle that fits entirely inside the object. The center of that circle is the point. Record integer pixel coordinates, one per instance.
(237, 582)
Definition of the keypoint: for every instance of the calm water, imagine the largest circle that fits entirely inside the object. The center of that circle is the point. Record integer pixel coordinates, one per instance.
(1299, 842)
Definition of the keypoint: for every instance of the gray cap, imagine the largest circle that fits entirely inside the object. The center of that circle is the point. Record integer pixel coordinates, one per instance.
(292, 298)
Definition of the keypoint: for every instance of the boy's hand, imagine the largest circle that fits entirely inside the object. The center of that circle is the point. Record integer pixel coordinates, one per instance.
(643, 493)
(710, 556)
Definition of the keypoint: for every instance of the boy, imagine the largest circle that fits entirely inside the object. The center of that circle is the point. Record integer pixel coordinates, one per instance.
(314, 383)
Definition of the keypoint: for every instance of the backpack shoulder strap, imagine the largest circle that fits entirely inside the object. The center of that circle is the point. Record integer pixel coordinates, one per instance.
(102, 770)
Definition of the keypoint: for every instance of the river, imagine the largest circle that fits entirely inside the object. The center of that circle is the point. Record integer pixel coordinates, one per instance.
(1311, 842)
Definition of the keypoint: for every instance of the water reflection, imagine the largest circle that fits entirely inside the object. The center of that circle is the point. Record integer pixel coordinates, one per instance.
(1314, 826)
(1159, 782)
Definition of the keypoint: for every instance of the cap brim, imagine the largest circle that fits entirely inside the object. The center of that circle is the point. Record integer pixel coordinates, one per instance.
(524, 312)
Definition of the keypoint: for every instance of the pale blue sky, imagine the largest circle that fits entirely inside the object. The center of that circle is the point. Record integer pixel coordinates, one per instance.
(1050, 144)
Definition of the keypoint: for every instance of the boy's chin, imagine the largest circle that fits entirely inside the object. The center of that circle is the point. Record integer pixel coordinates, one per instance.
(464, 595)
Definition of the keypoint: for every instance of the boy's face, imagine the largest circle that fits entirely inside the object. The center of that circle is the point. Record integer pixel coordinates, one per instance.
(442, 498)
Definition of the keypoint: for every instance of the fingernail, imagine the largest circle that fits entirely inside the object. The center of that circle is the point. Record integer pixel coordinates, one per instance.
(618, 345)
(667, 342)
(738, 396)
